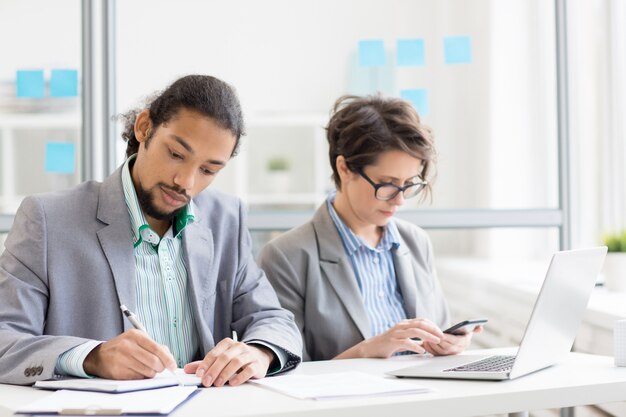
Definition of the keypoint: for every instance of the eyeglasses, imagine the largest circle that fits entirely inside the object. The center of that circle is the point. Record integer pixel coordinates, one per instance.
(386, 192)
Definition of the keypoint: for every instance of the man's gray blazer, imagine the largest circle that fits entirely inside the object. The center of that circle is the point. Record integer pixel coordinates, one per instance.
(314, 278)
(69, 264)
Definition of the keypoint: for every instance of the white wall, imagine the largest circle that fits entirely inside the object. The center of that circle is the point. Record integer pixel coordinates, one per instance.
(38, 34)
(494, 119)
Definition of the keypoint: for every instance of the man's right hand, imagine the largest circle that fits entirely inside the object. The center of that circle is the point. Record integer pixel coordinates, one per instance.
(131, 355)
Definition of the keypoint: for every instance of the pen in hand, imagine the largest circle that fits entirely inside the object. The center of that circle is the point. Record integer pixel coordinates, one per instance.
(134, 320)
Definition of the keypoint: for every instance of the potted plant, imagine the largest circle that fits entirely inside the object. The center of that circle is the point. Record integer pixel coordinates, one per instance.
(615, 264)
(279, 177)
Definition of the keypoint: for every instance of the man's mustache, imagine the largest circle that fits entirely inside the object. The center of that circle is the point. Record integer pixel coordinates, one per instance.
(176, 190)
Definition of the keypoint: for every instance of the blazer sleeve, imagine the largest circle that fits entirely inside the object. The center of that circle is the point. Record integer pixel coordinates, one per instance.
(442, 318)
(257, 313)
(26, 354)
(287, 283)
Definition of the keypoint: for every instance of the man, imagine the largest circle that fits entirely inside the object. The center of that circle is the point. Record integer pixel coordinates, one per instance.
(149, 237)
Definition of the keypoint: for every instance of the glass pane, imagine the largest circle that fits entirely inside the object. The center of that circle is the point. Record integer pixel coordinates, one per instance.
(484, 82)
(39, 98)
(597, 124)
(493, 273)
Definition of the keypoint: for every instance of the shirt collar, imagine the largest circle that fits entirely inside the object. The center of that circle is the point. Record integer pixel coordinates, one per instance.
(352, 242)
(139, 226)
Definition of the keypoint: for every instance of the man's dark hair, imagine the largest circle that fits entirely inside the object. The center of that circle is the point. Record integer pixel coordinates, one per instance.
(361, 128)
(202, 94)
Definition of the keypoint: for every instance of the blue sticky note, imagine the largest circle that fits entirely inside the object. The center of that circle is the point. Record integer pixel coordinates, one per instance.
(64, 83)
(60, 158)
(410, 53)
(29, 83)
(457, 50)
(372, 53)
(418, 97)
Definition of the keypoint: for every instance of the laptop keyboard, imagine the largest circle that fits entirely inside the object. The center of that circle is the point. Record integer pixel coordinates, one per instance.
(490, 364)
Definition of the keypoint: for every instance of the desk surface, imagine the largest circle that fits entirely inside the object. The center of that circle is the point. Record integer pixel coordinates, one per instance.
(578, 380)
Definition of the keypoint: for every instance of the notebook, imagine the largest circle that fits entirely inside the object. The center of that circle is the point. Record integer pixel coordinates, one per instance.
(149, 402)
(163, 379)
(549, 334)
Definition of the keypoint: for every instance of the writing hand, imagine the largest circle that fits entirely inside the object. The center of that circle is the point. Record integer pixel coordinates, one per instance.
(131, 355)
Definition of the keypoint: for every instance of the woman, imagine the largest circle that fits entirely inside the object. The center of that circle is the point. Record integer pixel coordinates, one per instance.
(359, 282)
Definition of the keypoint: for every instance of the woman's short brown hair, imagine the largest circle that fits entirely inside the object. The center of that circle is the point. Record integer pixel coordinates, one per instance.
(361, 128)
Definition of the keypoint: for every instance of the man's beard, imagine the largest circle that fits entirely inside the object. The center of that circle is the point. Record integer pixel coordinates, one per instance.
(146, 202)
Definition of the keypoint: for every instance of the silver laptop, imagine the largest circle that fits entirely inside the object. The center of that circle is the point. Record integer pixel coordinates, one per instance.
(550, 332)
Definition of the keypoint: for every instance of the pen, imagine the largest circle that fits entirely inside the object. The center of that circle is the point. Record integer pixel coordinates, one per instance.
(134, 320)
(234, 336)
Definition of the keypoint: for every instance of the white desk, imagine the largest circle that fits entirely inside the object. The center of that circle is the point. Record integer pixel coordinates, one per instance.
(581, 379)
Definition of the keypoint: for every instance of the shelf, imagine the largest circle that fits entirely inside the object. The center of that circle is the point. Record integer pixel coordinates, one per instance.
(41, 121)
(284, 198)
(318, 120)
(9, 204)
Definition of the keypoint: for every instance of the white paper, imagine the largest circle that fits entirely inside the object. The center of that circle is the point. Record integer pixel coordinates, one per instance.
(163, 379)
(154, 401)
(337, 385)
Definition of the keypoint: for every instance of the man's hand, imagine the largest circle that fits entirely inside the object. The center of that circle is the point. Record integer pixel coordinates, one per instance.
(131, 355)
(451, 344)
(232, 362)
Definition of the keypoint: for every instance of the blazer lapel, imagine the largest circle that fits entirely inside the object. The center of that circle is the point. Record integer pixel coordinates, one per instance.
(405, 277)
(199, 254)
(116, 240)
(337, 268)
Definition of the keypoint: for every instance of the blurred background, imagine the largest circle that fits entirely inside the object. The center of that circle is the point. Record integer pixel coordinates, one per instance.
(484, 75)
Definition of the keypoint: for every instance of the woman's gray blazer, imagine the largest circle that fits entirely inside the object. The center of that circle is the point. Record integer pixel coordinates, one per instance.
(314, 278)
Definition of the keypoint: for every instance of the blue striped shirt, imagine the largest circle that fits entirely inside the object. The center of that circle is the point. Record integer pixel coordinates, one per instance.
(375, 272)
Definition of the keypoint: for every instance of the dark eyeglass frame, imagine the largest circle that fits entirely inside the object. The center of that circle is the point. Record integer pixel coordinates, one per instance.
(422, 184)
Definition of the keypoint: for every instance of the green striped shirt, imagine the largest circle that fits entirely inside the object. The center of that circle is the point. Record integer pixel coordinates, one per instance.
(161, 285)
(161, 278)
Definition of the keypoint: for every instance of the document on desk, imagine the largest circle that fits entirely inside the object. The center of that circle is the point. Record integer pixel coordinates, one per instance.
(163, 379)
(67, 402)
(338, 385)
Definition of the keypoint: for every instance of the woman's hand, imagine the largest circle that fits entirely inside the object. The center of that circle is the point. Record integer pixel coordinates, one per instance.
(451, 344)
(408, 335)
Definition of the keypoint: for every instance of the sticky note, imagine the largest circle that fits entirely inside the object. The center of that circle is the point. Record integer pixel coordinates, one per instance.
(372, 53)
(29, 83)
(457, 50)
(60, 158)
(64, 83)
(410, 53)
(418, 98)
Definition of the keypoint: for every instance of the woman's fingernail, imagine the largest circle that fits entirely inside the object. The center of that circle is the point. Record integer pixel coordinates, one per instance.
(200, 372)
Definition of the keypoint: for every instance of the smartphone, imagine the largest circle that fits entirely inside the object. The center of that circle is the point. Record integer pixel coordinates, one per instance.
(464, 326)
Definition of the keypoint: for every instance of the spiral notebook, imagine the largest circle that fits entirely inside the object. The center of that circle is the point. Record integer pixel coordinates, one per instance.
(161, 380)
